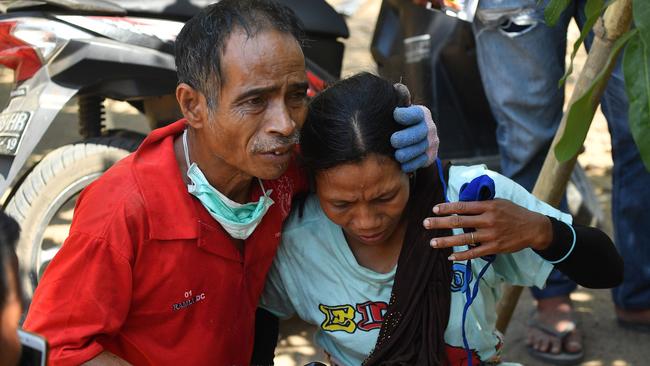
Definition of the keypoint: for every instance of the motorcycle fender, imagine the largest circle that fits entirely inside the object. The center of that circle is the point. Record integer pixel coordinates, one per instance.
(33, 107)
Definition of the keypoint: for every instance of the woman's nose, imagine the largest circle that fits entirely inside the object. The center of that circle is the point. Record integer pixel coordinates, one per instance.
(367, 219)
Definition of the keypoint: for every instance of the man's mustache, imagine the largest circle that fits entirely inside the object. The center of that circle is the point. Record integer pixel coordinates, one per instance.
(277, 143)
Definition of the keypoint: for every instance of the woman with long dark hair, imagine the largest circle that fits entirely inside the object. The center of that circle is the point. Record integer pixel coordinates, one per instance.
(357, 261)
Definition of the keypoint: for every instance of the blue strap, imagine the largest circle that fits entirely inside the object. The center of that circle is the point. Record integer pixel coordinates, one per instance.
(442, 179)
(469, 299)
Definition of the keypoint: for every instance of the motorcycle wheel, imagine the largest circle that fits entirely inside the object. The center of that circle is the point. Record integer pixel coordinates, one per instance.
(44, 202)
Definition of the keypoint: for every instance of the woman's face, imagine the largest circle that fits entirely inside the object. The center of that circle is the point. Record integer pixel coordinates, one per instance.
(366, 199)
(9, 317)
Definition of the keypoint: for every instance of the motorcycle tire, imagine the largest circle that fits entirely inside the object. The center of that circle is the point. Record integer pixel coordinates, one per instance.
(52, 186)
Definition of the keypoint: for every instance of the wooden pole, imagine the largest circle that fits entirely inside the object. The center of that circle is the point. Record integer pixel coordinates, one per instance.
(554, 176)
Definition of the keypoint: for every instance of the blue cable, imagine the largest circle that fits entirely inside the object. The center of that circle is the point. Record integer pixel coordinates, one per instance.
(469, 299)
(442, 178)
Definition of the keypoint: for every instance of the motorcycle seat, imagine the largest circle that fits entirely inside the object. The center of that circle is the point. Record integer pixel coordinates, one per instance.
(317, 16)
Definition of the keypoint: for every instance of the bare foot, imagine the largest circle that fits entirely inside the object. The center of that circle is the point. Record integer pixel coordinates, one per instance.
(553, 318)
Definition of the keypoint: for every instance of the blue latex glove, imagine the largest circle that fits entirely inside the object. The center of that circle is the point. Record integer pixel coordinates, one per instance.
(416, 145)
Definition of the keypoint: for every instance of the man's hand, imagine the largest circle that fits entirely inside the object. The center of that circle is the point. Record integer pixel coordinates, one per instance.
(417, 145)
(501, 227)
(106, 359)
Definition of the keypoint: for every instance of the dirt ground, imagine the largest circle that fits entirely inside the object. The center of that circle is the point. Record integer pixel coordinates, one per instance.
(605, 343)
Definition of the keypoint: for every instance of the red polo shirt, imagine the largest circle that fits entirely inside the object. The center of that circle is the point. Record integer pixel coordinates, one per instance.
(149, 275)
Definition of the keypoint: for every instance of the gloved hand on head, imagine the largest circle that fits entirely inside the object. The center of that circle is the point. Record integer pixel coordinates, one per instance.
(417, 144)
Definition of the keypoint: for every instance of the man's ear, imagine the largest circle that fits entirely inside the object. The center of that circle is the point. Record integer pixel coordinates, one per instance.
(193, 105)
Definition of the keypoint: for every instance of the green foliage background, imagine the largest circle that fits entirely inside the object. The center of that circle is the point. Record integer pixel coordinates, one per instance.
(636, 69)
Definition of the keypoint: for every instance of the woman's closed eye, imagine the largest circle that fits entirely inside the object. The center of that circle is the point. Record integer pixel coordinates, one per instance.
(386, 197)
(340, 204)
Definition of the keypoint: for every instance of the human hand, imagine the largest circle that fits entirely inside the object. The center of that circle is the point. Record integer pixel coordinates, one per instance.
(501, 227)
(417, 145)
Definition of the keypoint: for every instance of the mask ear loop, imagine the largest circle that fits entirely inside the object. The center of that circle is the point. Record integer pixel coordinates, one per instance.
(262, 186)
(191, 186)
(186, 149)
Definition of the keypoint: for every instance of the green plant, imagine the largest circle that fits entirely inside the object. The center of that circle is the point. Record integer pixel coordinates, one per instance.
(636, 69)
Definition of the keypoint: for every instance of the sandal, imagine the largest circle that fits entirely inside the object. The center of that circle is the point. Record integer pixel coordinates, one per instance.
(564, 357)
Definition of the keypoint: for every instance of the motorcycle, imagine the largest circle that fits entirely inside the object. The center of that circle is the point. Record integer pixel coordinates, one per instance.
(97, 50)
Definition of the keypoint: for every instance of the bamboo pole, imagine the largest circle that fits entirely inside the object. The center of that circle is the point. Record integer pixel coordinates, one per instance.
(554, 176)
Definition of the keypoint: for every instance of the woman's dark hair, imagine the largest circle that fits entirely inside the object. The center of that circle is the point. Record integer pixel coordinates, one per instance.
(347, 122)
(9, 231)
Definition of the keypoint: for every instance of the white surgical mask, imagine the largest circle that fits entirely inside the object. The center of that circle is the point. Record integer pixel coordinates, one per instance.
(239, 220)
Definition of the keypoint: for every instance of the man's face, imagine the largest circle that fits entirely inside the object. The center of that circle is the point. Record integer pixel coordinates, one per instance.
(261, 105)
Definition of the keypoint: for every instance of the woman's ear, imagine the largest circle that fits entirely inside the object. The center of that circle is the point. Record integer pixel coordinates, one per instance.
(193, 105)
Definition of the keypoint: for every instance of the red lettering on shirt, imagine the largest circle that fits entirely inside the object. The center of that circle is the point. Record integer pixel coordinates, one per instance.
(372, 314)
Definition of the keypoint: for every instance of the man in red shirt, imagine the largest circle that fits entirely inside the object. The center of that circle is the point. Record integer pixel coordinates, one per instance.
(147, 274)
(169, 249)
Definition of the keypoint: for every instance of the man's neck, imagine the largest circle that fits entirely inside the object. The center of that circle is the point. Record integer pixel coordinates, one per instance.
(227, 179)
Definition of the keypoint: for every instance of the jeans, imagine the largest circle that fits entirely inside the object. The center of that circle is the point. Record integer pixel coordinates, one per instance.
(521, 60)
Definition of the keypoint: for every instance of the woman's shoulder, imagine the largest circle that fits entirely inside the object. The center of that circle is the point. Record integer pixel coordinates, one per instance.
(304, 211)
(463, 173)
(306, 215)
(308, 234)
(505, 188)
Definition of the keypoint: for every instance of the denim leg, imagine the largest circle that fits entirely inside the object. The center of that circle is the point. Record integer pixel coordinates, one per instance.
(630, 195)
(630, 200)
(520, 68)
